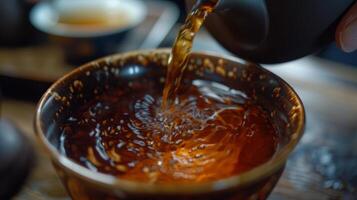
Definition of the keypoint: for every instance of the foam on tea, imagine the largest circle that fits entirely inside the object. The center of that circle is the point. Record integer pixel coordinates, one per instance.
(205, 131)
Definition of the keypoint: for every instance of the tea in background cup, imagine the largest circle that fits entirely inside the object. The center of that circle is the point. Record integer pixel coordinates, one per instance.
(87, 29)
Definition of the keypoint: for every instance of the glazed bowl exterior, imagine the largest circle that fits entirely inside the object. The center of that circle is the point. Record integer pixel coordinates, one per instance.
(84, 83)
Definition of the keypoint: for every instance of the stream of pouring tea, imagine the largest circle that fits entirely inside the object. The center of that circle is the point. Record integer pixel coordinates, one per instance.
(182, 48)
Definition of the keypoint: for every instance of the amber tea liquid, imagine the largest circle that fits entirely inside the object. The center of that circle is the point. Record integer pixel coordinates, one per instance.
(205, 132)
(212, 132)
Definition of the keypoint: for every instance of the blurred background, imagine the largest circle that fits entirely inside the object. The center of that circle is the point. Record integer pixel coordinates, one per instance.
(42, 40)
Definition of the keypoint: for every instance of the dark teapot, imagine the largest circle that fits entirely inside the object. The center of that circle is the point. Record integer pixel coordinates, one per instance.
(273, 31)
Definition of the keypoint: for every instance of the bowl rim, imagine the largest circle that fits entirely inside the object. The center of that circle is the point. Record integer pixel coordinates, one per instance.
(110, 182)
(49, 26)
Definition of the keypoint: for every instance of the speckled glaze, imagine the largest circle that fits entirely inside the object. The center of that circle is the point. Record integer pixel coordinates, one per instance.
(121, 70)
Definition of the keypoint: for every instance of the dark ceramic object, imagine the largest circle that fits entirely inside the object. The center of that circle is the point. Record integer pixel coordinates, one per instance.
(16, 29)
(123, 70)
(16, 159)
(272, 31)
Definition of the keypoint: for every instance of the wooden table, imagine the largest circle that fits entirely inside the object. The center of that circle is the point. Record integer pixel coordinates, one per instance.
(324, 165)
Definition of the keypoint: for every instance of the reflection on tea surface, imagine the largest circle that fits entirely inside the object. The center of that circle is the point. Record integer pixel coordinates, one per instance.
(212, 132)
